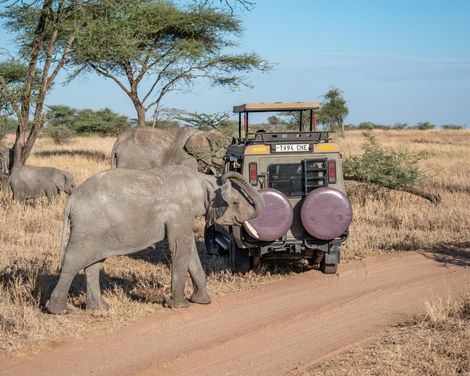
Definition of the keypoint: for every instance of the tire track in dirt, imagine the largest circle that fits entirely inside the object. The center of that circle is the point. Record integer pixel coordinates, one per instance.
(275, 329)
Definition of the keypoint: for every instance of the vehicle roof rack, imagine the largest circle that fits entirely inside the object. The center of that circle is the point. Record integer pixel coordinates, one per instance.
(276, 106)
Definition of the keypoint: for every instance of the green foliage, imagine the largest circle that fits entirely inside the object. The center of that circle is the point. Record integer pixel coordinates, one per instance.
(45, 33)
(274, 120)
(168, 43)
(202, 121)
(163, 123)
(333, 110)
(60, 134)
(385, 168)
(7, 125)
(452, 126)
(423, 126)
(103, 122)
(58, 115)
(12, 77)
(366, 125)
(400, 126)
(291, 119)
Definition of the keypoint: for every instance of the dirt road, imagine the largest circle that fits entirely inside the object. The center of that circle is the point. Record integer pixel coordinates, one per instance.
(276, 329)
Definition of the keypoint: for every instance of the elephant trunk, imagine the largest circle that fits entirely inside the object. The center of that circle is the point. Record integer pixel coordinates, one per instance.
(249, 190)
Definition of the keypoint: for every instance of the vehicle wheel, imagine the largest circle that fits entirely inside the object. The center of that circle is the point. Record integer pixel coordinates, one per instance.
(240, 260)
(212, 247)
(328, 268)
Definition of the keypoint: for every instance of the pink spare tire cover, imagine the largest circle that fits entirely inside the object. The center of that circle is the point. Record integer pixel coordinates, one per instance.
(276, 218)
(326, 213)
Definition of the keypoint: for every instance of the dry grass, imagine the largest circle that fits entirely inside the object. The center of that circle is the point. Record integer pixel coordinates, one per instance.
(437, 343)
(136, 286)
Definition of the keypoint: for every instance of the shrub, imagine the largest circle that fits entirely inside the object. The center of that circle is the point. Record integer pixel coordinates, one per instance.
(385, 168)
(400, 126)
(60, 134)
(452, 126)
(425, 126)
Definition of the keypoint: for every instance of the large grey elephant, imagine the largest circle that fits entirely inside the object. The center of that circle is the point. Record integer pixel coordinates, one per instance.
(121, 211)
(6, 159)
(36, 181)
(142, 148)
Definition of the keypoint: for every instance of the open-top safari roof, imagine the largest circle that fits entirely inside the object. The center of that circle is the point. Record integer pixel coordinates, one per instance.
(277, 106)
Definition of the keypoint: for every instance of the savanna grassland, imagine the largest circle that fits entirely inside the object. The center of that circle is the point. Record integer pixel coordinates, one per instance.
(138, 285)
(435, 343)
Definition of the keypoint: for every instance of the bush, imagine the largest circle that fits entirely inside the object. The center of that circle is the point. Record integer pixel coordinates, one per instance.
(385, 168)
(452, 126)
(425, 126)
(400, 126)
(60, 134)
(103, 122)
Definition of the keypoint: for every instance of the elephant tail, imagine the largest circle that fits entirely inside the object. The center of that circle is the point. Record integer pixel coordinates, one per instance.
(67, 211)
(114, 156)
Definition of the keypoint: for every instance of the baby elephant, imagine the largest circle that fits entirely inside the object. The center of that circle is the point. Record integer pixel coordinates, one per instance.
(36, 181)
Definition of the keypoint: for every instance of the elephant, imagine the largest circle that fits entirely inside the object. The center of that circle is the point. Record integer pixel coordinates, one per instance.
(121, 211)
(36, 181)
(6, 159)
(142, 148)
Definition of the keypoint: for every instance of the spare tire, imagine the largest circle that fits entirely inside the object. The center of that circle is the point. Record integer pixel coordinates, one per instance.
(326, 213)
(275, 219)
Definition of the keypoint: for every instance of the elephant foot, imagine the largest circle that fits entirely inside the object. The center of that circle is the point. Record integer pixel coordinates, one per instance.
(200, 298)
(178, 303)
(56, 308)
(94, 305)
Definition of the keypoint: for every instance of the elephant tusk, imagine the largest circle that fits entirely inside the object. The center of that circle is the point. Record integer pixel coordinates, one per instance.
(251, 230)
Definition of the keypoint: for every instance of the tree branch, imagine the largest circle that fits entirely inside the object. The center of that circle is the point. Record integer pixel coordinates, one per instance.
(64, 57)
(9, 97)
(159, 77)
(434, 198)
(109, 75)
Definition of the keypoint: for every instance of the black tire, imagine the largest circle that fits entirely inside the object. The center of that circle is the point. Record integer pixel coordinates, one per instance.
(328, 268)
(240, 260)
(212, 247)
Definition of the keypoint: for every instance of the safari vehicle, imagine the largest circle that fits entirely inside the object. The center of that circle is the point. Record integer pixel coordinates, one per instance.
(299, 175)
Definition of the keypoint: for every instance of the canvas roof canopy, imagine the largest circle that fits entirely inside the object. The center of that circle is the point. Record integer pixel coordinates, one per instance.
(277, 106)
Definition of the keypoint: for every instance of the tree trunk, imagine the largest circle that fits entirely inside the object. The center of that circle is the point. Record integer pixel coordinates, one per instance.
(140, 116)
(18, 148)
(139, 107)
(434, 198)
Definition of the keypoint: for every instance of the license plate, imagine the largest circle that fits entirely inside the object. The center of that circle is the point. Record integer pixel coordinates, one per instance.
(292, 147)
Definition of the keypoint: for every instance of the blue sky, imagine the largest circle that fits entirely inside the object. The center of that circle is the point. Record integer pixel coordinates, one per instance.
(396, 61)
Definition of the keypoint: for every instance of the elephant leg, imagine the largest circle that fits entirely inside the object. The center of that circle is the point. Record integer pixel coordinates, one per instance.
(180, 247)
(198, 277)
(94, 299)
(51, 194)
(57, 303)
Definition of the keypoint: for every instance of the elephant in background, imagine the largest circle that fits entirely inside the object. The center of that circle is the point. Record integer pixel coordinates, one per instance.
(142, 148)
(6, 159)
(121, 211)
(36, 181)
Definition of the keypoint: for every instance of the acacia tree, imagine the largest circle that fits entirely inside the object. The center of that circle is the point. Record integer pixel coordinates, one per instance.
(149, 48)
(333, 110)
(46, 31)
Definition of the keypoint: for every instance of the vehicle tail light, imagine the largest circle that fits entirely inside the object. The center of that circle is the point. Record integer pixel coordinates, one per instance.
(253, 173)
(332, 171)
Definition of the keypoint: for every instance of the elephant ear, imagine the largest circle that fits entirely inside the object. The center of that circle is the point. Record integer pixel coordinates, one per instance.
(59, 180)
(199, 146)
(220, 200)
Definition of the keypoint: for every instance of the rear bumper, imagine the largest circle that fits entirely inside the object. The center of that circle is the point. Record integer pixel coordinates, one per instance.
(282, 248)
